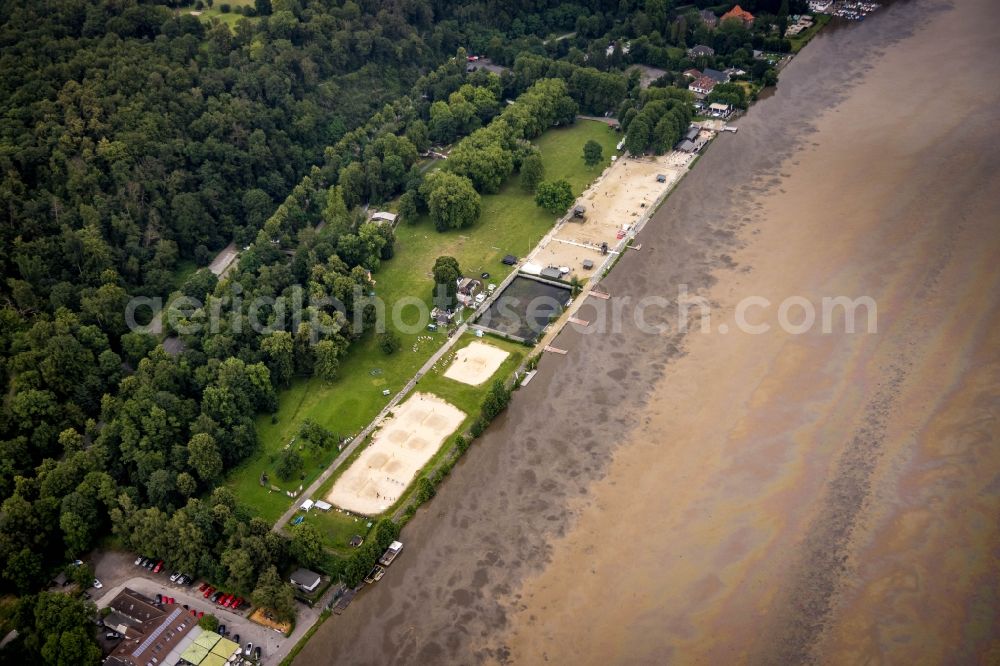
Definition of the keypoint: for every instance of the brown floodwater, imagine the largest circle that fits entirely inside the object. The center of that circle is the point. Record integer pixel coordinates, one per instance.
(778, 498)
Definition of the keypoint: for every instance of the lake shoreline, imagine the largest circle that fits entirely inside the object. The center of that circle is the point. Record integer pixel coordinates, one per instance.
(519, 554)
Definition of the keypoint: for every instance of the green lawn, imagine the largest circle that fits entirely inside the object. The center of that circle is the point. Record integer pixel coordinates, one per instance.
(510, 223)
(338, 528)
(231, 17)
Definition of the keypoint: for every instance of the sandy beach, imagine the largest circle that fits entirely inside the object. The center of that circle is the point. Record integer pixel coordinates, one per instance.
(401, 447)
(725, 497)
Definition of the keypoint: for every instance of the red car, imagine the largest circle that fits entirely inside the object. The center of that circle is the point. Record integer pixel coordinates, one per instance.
(201, 614)
(158, 567)
(209, 591)
(203, 587)
(224, 600)
(236, 603)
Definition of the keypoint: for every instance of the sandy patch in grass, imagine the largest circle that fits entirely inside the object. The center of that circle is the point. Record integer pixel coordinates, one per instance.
(401, 448)
(476, 363)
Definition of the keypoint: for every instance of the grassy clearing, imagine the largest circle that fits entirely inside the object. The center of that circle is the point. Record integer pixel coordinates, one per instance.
(184, 270)
(230, 18)
(510, 223)
(338, 528)
(8, 606)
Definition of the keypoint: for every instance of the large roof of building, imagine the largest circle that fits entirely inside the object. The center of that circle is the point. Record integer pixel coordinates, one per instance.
(704, 83)
(305, 577)
(157, 630)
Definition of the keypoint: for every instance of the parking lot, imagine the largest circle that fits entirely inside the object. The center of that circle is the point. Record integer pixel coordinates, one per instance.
(116, 570)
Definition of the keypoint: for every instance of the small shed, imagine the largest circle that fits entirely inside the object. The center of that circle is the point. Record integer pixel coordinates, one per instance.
(718, 108)
(308, 504)
(306, 579)
(692, 133)
(383, 216)
(509, 260)
(579, 211)
(587, 264)
(441, 317)
(686, 146)
(551, 272)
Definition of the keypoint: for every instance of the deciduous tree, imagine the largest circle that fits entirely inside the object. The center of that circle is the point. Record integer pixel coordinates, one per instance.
(555, 197)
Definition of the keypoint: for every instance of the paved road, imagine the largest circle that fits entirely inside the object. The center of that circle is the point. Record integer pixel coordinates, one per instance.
(221, 265)
(225, 260)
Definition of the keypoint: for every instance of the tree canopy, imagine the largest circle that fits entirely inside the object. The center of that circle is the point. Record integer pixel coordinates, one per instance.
(452, 200)
(554, 196)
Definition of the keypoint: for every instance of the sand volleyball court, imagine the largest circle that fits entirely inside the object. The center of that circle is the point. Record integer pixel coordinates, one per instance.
(403, 445)
(476, 363)
(626, 191)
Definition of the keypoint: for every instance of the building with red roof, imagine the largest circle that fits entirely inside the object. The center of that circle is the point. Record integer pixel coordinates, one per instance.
(740, 14)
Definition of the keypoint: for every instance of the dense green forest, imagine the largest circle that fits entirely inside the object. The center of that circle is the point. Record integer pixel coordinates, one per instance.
(137, 139)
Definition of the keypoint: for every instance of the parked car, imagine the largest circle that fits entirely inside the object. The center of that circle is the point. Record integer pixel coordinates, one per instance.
(480, 297)
(138, 561)
(248, 649)
(221, 630)
(209, 591)
(236, 638)
(215, 597)
(149, 564)
(235, 603)
(174, 576)
(145, 561)
(77, 563)
(112, 635)
(203, 587)
(256, 653)
(158, 567)
(98, 584)
(159, 598)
